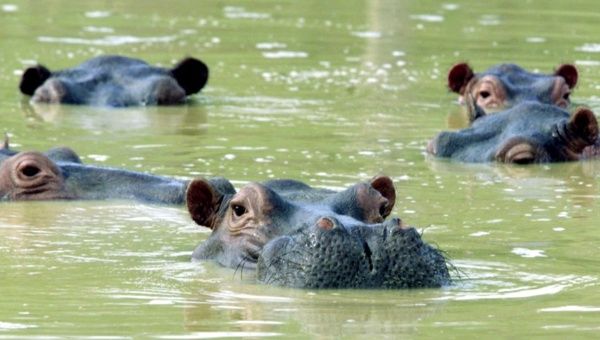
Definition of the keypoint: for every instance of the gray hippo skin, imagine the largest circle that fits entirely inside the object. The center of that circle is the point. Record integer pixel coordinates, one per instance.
(60, 174)
(115, 81)
(297, 236)
(506, 85)
(526, 133)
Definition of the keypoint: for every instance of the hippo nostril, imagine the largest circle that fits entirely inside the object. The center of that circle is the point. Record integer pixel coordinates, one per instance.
(30, 170)
(325, 223)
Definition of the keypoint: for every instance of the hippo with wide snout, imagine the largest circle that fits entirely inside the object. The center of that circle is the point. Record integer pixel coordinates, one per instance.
(506, 85)
(294, 235)
(526, 133)
(60, 174)
(115, 81)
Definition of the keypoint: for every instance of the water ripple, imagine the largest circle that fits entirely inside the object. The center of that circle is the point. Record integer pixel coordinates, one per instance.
(109, 40)
(490, 281)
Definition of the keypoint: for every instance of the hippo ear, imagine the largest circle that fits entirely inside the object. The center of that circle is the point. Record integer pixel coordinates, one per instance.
(569, 73)
(583, 124)
(202, 201)
(459, 76)
(33, 78)
(385, 186)
(63, 154)
(191, 74)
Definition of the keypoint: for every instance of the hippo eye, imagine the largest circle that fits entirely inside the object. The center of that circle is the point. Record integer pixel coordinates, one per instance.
(238, 210)
(484, 94)
(567, 96)
(30, 170)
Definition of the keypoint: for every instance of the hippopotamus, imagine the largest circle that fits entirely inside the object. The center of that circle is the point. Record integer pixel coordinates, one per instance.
(529, 132)
(115, 81)
(297, 236)
(506, 85)
(59, 174)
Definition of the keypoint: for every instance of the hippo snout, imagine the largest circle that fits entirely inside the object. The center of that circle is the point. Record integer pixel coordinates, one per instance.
(331, 255)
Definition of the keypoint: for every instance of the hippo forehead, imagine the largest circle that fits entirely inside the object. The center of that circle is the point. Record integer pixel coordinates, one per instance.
(115, 81)
(519, 82)
(290, 210)
(57, 154)
(293, 208)
(112, 83)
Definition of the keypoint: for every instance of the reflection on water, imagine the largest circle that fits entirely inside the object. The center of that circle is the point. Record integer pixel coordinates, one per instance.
(165, 120)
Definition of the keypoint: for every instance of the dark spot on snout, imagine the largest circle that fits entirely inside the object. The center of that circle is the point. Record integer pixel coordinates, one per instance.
(368, 254)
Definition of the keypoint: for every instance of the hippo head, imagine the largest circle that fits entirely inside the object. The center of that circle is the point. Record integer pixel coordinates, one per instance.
(506, 85)
(59, 174)
(115, 81)
(527, 133)
(313, 239)
(31, 176)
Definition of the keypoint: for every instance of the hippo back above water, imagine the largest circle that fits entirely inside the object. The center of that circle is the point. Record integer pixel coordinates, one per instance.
(115, 81)
(297, 236)
(506, 85)
(59, 174)
(527, 133)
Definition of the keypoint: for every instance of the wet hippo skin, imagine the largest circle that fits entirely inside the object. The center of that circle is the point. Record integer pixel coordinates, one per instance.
(294, 235)
(60, 174)
(526, 133)
(115, 81)
(506, 85)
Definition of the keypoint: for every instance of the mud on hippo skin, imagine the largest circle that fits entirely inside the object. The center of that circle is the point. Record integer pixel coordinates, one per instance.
(298, 236)
(527, 133)
(60, 174)
(115, 81)
(506, 85)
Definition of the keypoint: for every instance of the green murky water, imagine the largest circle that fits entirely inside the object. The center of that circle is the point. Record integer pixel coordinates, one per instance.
(330, 93)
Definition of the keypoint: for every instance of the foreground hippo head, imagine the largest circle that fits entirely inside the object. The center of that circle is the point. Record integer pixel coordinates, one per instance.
(115, 81)
(526, 133)
(506, 85)
(59, 174)
(302, 237)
